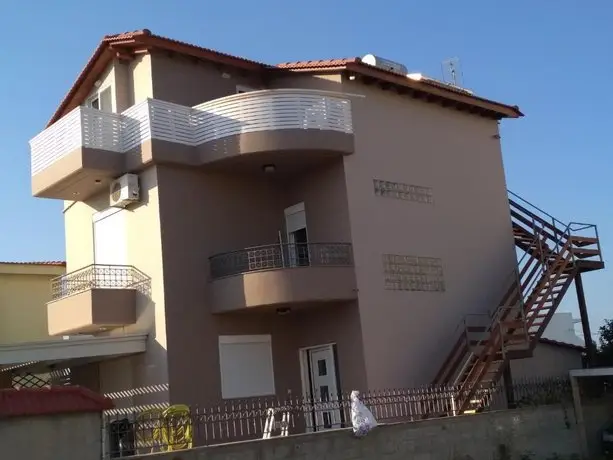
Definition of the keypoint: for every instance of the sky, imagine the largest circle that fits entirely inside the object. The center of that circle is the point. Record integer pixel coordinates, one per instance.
(553, 59)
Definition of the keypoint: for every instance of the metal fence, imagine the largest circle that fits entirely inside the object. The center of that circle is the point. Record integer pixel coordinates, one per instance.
(273, 256)
(98, 277)
(180, 427)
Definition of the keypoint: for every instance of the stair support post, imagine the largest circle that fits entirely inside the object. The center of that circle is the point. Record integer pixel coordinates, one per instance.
(585, 321)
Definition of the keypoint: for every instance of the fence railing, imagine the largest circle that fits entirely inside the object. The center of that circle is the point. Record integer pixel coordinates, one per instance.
(275, 256)
(97, 277)
(250, 112)
(179, 427)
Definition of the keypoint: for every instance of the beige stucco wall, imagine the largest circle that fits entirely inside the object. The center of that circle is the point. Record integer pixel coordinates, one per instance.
(204, 214)
(459, 156)
(23, 297)
(144, 253)
(468, 227)
(130, 82)
(187, 82)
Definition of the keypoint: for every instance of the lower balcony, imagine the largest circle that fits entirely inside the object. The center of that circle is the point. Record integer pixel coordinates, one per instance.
(93, 299)
(282, 275)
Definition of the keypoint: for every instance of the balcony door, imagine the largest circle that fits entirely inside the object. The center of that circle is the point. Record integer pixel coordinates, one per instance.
(110, 246)
(297, 236)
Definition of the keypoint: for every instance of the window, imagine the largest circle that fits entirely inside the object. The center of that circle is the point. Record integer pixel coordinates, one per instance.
(102, 100)
(246, 355)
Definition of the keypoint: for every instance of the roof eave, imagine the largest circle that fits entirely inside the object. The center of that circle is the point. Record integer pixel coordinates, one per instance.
(110, 45)
(501, 110)
(102, 55)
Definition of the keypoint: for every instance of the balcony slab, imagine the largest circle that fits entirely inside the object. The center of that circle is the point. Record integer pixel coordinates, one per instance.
(282, 287)
(91, 311)
(78, 174)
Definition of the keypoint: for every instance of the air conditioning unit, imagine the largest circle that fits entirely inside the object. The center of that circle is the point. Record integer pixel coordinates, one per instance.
(124, 190)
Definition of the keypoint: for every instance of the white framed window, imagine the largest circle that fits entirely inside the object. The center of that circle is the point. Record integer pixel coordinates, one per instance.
(244, 89)
(101, 100)
(246, 366)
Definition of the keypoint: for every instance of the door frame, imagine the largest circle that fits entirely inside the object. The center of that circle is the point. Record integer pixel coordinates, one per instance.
(293, 251)
(307, 386)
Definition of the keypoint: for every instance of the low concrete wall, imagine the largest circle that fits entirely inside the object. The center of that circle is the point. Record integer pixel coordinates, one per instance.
(62, 423)
(52, 437)
(537, 433)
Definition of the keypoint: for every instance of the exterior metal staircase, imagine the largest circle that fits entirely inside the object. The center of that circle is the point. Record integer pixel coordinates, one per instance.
(552, 254)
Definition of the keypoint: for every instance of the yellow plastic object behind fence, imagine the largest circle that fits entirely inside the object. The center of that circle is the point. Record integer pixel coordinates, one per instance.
(176, 429)
(149, 432)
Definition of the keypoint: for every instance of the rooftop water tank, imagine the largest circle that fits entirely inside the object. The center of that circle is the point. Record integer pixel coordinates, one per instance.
(385, 64)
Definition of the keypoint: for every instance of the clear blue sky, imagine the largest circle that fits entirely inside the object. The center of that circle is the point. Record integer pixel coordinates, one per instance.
(553, 59)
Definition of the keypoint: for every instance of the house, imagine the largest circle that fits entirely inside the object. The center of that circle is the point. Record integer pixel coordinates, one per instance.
(558, 351)
(304, 228)
(25, 289)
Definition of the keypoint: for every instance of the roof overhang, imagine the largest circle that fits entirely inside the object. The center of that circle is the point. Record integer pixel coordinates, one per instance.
(125, 47)
(73, 349)
(557, 343)
(32, 268)
(416, 85)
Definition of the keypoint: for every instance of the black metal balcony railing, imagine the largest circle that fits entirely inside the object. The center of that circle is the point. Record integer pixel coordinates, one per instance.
(275, 256)
(97, 277)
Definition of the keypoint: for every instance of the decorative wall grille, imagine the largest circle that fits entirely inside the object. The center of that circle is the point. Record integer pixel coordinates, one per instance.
(59, 377)
(413, 273)
(401, 191)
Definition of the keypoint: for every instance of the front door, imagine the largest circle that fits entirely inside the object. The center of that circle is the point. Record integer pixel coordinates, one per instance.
(323, 389)
(297, 237)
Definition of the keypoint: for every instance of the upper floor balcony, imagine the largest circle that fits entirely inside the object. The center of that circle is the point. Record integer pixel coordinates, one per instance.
(282, 275)
(82, 152)
(94, 298)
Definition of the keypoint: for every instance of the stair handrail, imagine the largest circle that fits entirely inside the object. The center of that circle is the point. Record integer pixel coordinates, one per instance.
(462, 337)
(563, 228)
(554, 220)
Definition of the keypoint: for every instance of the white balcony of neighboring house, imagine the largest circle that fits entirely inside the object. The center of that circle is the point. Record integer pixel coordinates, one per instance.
(204, 129)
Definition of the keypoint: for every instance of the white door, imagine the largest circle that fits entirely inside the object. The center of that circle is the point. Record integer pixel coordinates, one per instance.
(297, 238)
(324, 388)
(110, 237)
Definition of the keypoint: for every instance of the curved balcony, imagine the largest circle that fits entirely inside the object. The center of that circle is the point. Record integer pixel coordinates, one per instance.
(94, 298)
(87, 148)
(282, 275)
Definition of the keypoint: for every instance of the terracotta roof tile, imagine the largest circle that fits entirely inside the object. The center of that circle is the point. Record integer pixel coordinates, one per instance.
(319, 64)
(142, 38)
(55, 263)
(46, 401)
(127, 43)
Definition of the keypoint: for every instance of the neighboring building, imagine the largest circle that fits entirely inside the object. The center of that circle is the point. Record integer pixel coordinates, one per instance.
(25, 289)
(558, 351)
(561, 329)
(551, 359)
(310, 227)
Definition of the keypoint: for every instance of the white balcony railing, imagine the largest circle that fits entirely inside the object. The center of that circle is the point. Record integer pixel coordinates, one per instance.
(266, 110)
